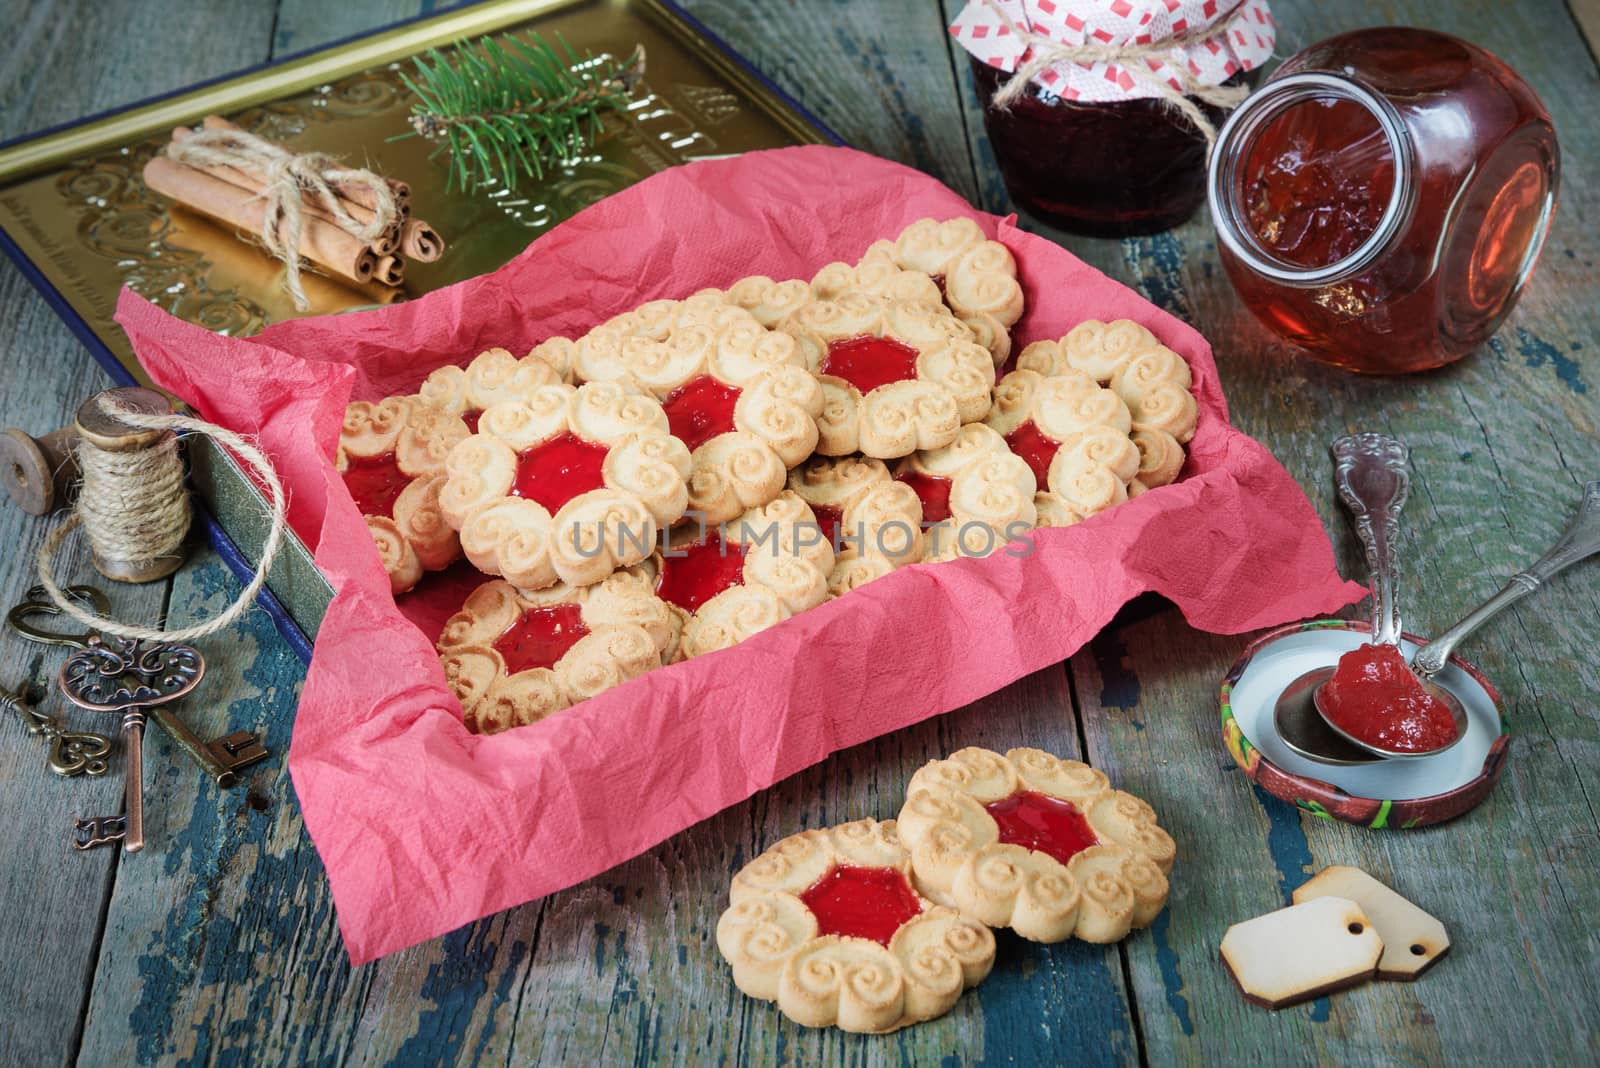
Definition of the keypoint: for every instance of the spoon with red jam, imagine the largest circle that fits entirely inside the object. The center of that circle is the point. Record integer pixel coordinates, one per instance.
(1305, 731)
(1371, 705)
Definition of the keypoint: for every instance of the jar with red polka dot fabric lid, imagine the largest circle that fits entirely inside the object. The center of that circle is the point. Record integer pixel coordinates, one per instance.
(1101, 112)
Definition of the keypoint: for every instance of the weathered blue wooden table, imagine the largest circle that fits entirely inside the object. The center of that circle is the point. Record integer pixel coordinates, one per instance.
(219, 943)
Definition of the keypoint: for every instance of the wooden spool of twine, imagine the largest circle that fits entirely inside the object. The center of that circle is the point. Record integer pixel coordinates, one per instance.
(134, 508)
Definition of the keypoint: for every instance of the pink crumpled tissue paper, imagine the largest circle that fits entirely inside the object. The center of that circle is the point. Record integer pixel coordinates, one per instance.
(424, 827)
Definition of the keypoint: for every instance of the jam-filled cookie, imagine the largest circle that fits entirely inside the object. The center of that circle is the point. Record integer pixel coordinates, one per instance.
(736, 393)
(1041, 845)
(976, 494)
(728, 582)
(1152, 380)
(567, 485)
(514, 657)
(391, 455)
(493, 377)
(897, 376)
(1075, 436)
(828, 924)
(865, 513)
(975, 277)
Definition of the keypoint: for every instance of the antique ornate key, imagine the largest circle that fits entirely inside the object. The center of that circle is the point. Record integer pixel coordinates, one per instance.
(71, 752)
(128, 678)
(222, 758)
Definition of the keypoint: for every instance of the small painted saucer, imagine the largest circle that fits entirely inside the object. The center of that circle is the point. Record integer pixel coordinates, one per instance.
(1388, 793)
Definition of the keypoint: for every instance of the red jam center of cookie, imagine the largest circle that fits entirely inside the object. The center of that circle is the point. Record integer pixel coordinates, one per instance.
(934, 492)
(1373, 696)
(376, 483)
(705, 569)
(1042, 823)
(471, 417)
(1029, 442)
(861, 902)
(870, 362)
(700, 409)
(540, 637)
(830, 518)
(558, 470)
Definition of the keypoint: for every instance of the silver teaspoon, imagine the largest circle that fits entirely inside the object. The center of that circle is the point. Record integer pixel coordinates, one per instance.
(1579, 541)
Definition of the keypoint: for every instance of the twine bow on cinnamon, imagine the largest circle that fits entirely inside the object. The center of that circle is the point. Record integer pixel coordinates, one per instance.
(1132, 58)
(292, 182)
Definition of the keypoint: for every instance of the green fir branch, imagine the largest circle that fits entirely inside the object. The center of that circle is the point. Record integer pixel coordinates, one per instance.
(506, 109)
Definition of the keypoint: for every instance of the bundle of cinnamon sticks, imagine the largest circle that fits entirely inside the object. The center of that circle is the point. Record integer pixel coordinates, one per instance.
(234, 195)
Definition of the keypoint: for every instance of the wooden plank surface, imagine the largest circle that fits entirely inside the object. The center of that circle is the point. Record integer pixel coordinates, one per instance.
(60, 62)
(1501, 443)
(222, 946)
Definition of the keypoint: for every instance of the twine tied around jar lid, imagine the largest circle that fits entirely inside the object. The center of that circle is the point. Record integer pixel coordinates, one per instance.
(1130, 57)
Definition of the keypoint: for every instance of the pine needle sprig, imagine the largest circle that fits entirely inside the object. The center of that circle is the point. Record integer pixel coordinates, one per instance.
(505, 110)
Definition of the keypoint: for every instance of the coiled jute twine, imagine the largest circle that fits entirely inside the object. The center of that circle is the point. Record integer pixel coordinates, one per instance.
(133, 507)
(1131, 58)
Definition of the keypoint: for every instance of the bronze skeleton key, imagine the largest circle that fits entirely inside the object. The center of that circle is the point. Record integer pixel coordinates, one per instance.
(71, 752)
(222, 758)
(125, 677)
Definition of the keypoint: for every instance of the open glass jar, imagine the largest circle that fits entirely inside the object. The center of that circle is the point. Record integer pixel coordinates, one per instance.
(1382, 199)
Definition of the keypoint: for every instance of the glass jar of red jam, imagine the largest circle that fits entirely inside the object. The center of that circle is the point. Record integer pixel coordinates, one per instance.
(1111, 169)
(1381, 200)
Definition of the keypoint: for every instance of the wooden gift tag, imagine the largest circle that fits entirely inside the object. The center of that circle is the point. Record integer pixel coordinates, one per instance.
(1303, 951)
(1413, 941)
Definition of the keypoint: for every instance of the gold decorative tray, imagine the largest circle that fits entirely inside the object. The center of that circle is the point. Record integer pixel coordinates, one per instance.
(77, 218)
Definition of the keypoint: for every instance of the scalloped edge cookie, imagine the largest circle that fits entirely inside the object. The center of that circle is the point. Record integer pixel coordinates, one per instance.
(1152, 380)
(958, 860)
(415, 537)
(1096, 460)
(592, 534)
(770, 939)
(666, 347)
(989, 487)
(879, 519)
(976, 277)
(493, 377)
(953, 383)
(785, 572)
(630, 632)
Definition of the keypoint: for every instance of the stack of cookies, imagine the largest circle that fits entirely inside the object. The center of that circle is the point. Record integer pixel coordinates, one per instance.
(693, 471)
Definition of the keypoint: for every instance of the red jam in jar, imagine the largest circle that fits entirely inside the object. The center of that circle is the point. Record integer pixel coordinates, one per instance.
(1111, 169)
(1374, 697)
(1381, 200)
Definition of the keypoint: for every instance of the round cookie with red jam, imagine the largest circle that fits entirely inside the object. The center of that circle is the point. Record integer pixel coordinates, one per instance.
(391, 455)
(1074, 435)
(728, 582)
(976, 278)
(897, 376)
(514, 657)
(567, 485)
(828, 924)
(1151, 379)
(736, 393)
(873, 522)
(1041, 845)
(976, 494)
(493, 377)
